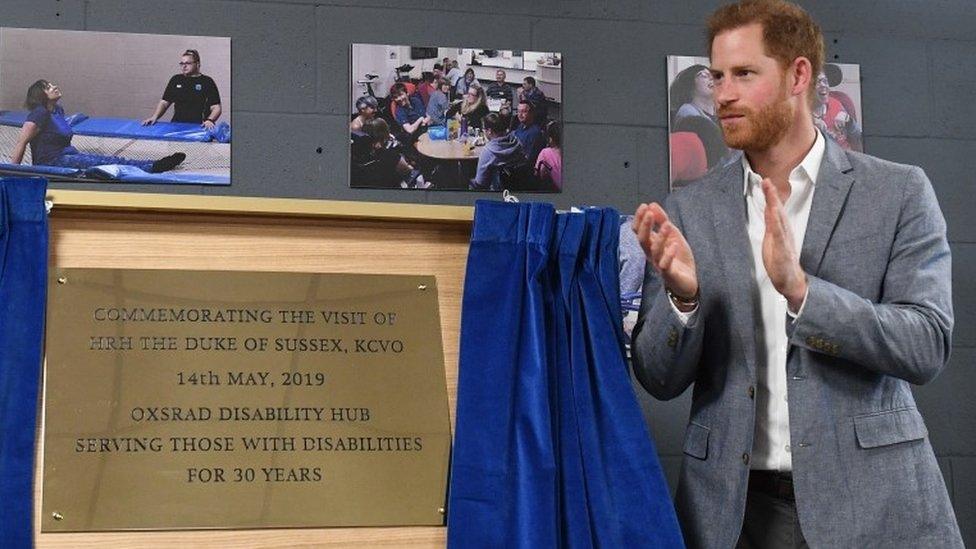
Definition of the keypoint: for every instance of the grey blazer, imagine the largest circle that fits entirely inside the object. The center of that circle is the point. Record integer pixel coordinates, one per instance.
(878, 317)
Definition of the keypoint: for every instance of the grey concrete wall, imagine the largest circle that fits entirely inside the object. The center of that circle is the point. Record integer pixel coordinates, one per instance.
(108, 74)
(290, 73)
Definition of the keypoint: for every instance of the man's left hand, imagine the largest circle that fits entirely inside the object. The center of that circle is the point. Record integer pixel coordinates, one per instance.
(779, 252)
(208, 124)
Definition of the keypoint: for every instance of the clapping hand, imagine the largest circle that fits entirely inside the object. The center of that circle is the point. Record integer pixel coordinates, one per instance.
(779, 252)
(666, 250)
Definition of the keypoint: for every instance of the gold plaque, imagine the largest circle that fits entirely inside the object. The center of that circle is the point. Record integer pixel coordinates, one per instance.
(204, 399)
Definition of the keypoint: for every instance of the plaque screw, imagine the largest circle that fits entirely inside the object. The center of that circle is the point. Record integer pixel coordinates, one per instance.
(422, 287)
(57, 516)
(440, 510)
(62, 280)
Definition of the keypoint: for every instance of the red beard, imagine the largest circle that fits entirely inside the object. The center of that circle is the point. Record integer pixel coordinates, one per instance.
(757, 130)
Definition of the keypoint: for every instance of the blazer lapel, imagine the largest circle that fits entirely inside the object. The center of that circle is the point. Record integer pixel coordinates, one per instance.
(732, 239)
(832, 187)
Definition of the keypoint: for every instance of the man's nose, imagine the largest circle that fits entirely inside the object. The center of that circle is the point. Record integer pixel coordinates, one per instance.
(724, 93)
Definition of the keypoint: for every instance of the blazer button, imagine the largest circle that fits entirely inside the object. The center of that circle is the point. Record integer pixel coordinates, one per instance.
(752, 392)
(745, 458)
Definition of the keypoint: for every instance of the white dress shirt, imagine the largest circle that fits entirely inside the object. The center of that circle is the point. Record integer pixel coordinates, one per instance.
(771, 445)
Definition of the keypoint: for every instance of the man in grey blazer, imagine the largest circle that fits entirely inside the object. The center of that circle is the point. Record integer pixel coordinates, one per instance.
(801, 289)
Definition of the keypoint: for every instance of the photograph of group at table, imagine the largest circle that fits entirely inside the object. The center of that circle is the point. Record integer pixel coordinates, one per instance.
(440, 123)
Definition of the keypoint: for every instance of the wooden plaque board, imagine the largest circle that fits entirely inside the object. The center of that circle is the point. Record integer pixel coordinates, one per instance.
(250, 235)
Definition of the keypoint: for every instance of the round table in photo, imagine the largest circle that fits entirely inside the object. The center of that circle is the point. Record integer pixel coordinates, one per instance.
(450, 150)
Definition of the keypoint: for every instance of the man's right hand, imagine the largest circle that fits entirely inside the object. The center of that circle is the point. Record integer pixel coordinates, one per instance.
(149, 121)
(666, 249)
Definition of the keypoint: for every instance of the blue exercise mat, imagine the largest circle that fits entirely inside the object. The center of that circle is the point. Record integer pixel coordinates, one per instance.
(160, 131)
(17, 118)
(132, 174)
(83, 124)
(41, 170)
(122, 174)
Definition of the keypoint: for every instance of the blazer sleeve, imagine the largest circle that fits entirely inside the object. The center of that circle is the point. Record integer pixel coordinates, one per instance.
(908, 333)
(664, 351)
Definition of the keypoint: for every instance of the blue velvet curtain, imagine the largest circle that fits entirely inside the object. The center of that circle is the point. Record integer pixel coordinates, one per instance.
(23, 274)
(550, 447)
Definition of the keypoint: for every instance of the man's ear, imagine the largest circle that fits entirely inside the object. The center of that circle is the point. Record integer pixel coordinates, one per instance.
(801, 74)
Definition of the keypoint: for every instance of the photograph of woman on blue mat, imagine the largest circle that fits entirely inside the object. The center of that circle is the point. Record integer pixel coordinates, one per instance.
(98, 132)
(49, 136)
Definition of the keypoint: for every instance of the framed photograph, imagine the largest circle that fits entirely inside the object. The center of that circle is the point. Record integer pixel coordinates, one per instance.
(113, 107)
(695, 140)
(449, 118)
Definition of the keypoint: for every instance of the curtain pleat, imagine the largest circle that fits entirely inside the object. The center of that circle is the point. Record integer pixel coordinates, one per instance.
(23, 279)
(551, 449)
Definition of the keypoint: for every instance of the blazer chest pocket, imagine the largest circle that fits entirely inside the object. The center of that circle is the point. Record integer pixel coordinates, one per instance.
(890, 427)
(696, 441)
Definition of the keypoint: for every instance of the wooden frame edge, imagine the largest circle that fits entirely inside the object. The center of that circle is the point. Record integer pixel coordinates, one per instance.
(289, 207)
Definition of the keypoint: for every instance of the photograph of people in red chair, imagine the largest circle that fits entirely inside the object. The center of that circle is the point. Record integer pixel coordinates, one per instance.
(455, 119)
(695, 138)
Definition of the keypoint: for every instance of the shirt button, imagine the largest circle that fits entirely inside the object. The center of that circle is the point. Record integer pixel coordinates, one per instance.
(745, 458)
(787, 447)
(786, 398)
(752, 392)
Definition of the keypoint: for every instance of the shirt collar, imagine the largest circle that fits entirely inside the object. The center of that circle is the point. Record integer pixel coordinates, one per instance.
(809, 166)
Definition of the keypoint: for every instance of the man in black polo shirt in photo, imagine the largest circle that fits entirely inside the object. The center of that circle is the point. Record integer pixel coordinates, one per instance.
(194, 95)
